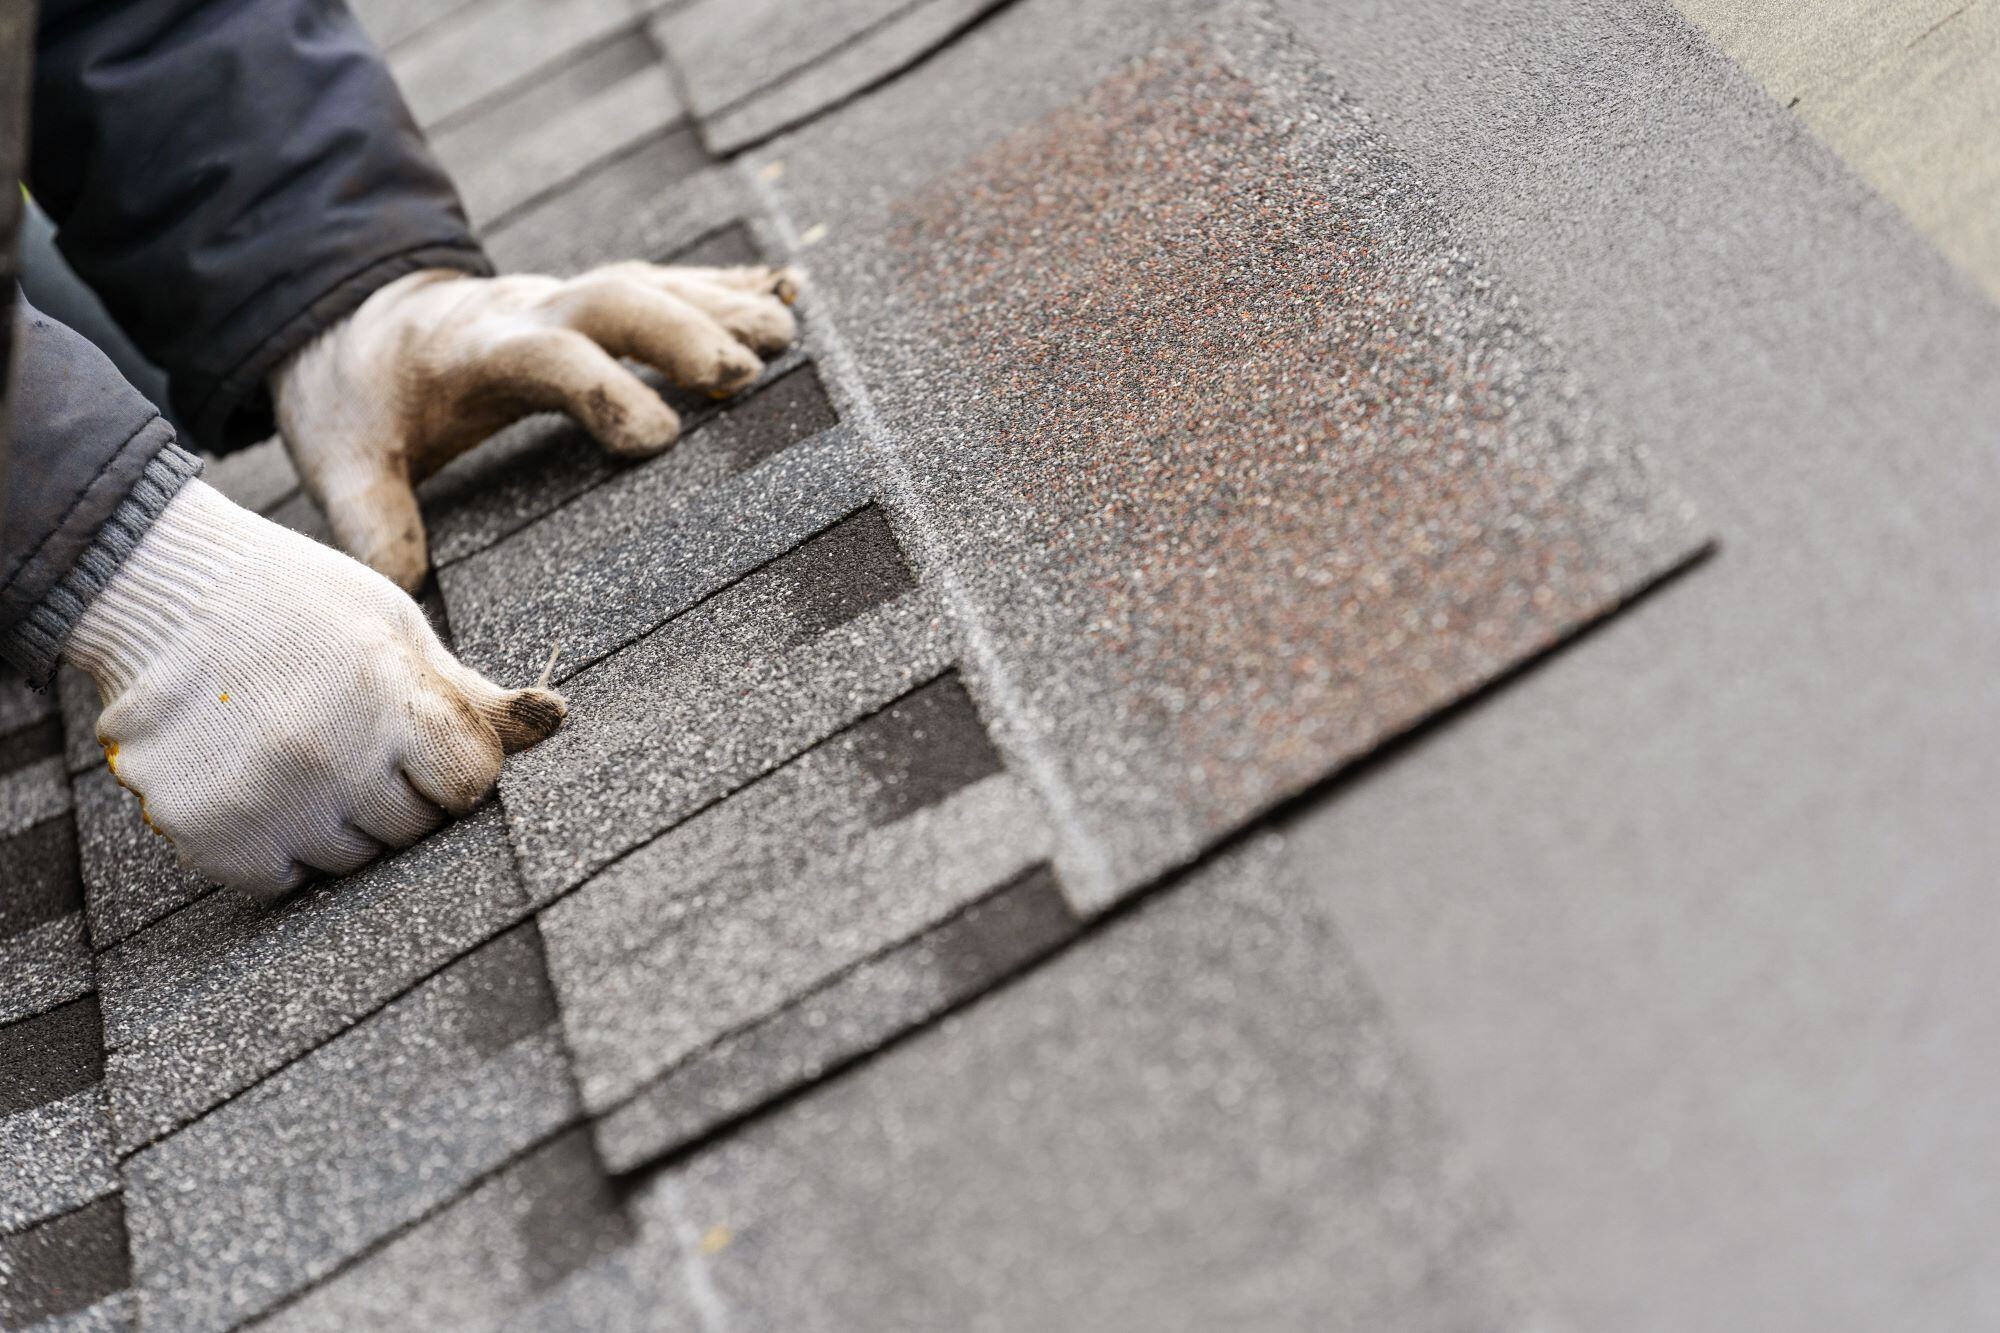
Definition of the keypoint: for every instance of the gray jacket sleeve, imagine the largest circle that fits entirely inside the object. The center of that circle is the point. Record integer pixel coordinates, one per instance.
(92, 465)
(232, 177)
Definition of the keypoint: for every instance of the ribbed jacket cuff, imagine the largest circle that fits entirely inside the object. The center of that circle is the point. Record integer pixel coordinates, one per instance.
(35, 644)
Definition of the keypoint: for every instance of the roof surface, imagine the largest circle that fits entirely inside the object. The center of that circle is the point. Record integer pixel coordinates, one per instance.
(1084, 802)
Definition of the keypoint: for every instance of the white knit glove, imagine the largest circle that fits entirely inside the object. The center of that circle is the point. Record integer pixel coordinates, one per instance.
(435, 362)
(280, 708)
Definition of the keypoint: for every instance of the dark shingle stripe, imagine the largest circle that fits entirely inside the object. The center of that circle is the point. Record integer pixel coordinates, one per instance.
(51, 1055)
(38, 876)
(922, 748)
(63, 1265)
(31, 741)
(843, 1020)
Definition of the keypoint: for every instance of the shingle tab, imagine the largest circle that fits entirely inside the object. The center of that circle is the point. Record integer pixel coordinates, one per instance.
(20, 705)
(545, 1244)
(76, 696)
(544, 135)
(487, 47)
(539, 464)
(31, 794)
(864, 841)
(849, 1016)
(1241, 466)
(365, 1135)
(643, 205)
(643, 548)
(54, 1144)
(721, 694)
(68, 1272)
(847, 48)
(43, 966)
(131, 875)
(217, 995)
(44, 956)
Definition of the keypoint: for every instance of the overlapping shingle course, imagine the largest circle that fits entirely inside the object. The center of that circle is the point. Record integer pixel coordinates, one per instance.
(854, 671)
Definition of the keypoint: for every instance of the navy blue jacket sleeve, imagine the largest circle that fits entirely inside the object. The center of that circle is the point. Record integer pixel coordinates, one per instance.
(231, 177)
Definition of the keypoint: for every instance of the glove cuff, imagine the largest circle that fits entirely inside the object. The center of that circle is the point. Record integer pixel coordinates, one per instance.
(155, 597)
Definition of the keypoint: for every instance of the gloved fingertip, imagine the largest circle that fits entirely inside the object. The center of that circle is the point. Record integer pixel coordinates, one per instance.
(527, 717)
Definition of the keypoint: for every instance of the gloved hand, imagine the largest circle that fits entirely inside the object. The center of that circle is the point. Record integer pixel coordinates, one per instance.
(435, 362)
(278, 707)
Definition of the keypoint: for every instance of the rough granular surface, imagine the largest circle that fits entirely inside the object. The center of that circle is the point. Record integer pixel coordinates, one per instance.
(1259, 469)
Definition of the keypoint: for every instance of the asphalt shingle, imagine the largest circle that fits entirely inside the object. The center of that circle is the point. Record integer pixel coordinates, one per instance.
(864, 841)
(1197, 1118)
(545, 1244)
(646, 204)
(69, 1273)
(487, 47)
(754, 68)
(1242, 467)
(76, 697)
(849, 1016)
(719, 695)
(44, 956)
(31, 794)
(392, 22)
(646, 546)
(542, 136)
(54, 1145)
(259, 478)
(210, 999)
(131, 875)
(21, 706)
(365, 1135)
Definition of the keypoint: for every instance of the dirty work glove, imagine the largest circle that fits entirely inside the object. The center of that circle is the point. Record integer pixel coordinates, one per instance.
(279, 708)
(435, 362)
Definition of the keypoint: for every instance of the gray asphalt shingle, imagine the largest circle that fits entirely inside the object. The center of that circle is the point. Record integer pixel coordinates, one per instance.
(203, 1003)
(865, 840)
(131, 875)
(541, 136)
(487, 47)
(44, 955)
(849, 1016)
(646, 204)
(365, 1135)
(545, 1244)
(657, 539)
(54, 1142)
(754, 68)
(1198, 1118)
(719, 695)
(31, 794)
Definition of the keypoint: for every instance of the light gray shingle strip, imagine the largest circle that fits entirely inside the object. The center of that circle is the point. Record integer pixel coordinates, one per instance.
(541, 463)
(720, 695)
(486, 48)
(544, 135)
(54, 1157)
(204, 1003)
(32, 794)
(1241, 467)
(43, 966)
(392, 22)
(131, 875)
(849, 1016)
(643, 205)
(646, 546)
(69, 1273)
(1197, 1118)
(864, 841)
(365, 1135)
(544, 1244)
(839, 73)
